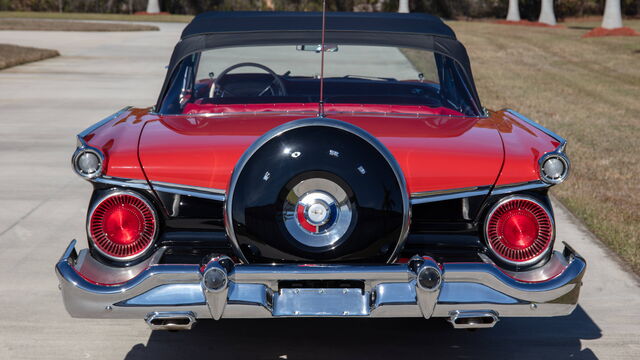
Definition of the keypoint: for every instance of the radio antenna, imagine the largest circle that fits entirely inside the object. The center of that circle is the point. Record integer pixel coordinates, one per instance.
(324, 23)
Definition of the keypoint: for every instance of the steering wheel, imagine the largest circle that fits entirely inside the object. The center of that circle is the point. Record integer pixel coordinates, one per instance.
(218, 91)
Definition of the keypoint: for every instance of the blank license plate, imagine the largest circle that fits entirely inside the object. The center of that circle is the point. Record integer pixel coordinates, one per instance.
(321, 302)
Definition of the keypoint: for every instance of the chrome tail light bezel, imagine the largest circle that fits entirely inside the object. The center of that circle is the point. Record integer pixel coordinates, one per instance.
(81, 151)
(540, 254)
(562, 157)
(152, 237)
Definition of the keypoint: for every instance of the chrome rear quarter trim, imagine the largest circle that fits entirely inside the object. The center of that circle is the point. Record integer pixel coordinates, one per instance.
(449, 194)
(195, 191)
(518, 187)
(100, 123)
(538, 126)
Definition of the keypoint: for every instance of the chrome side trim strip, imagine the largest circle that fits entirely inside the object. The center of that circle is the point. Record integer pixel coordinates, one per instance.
(441, 195)
(128, 183)
(518, 187)
(188, 187)
(416, 198)
(195, 191)
(97, 125)
(559, 138)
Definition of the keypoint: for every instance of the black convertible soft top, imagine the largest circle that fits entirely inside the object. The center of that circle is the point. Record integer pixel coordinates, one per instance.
(213, 30)
(252, 21)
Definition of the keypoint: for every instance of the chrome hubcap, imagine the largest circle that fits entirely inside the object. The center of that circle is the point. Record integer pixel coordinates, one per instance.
(317, 212)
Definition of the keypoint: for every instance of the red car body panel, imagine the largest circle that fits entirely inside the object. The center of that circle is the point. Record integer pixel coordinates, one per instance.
(524, 145)
(435, 152)
(118, 141)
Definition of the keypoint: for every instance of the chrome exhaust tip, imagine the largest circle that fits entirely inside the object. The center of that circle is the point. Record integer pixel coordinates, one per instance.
(473, 319)
(172, 321)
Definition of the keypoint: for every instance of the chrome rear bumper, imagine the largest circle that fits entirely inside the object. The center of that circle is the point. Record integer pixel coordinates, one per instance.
(453, 290)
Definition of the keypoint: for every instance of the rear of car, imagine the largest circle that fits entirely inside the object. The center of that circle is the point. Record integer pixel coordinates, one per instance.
(380, 187)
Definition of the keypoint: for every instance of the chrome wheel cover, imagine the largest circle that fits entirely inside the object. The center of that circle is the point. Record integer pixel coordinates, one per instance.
(317, 212)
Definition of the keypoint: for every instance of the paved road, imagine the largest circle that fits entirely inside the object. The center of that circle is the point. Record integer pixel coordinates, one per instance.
(42, 206)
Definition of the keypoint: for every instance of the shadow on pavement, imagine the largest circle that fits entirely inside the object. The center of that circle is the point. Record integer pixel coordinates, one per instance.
(582, 27)
(523, 338)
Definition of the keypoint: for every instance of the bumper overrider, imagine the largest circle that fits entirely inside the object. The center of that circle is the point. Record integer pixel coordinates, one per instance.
(168, 296)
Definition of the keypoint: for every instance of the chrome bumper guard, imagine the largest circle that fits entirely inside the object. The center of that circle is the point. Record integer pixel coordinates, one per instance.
(221, 289)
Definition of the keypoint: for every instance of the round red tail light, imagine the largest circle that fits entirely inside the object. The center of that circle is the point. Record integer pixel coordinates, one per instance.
(122, 226)
(519, 230)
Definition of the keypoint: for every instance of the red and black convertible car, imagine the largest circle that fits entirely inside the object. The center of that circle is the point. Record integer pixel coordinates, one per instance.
(297, 165)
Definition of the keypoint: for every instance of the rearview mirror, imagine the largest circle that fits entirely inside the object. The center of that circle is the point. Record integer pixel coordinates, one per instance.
(317, 48)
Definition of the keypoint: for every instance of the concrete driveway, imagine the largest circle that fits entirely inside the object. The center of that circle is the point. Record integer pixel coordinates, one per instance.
(43, 204)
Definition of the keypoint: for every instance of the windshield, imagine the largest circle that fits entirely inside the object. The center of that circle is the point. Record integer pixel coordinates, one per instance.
(287, 77)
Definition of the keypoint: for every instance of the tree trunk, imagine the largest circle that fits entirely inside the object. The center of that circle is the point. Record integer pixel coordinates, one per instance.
(547, 15)
(403, 6)
(612, 18)
(268, 4)
(514, 11)
(153, 7)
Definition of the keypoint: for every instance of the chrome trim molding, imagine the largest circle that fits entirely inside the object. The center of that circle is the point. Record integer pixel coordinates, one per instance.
(188, 190)
(277, 131)
(449, 194)
(390, 290)
(519, 197)
(100, 123)
(518, 187)
(315, 112)
(141, 198)
(539, 127)
(127, 183)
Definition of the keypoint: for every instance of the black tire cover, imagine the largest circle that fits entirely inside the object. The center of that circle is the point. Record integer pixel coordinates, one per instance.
(317, 148)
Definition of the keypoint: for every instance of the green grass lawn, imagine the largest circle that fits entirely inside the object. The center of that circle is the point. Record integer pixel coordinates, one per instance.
(587, 90)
